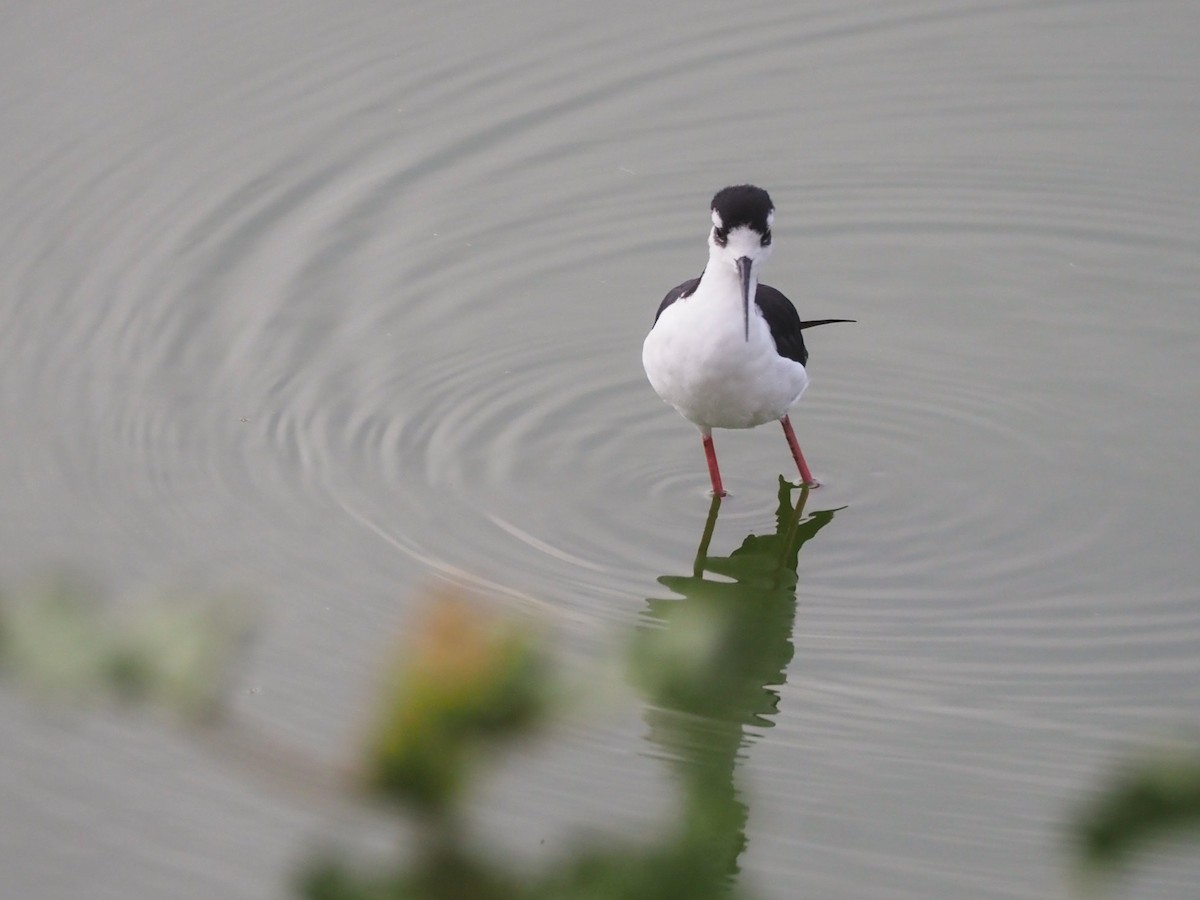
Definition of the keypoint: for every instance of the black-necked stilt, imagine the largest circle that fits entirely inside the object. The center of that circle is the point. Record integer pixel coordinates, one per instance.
(720, 360)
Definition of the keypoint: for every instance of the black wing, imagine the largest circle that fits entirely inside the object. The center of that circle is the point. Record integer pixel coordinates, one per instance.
(676, 293)
(785, 324)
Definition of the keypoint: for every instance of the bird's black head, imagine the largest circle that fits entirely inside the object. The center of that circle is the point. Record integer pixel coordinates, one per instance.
(743, 204)
(740, 239)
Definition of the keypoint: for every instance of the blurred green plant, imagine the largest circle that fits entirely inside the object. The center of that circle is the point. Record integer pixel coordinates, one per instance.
(177, 656)
(1146, 800)
(467, 683)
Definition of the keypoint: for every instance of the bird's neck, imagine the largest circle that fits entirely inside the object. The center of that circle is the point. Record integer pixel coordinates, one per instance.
(721, 279)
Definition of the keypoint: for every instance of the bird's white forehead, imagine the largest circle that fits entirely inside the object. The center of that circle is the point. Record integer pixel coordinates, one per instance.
(716, 219)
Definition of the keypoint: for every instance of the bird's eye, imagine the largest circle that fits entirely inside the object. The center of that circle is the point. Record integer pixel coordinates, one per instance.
(766, 238)
(721, 236)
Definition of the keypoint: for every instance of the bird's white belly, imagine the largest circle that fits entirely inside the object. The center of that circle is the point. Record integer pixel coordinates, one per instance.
(698, 360)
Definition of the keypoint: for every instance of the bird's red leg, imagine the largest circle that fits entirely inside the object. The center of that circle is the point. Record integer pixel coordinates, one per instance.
(805, 474)
(714, 473)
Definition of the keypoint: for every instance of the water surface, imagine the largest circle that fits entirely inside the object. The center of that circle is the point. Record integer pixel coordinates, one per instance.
(327, 306)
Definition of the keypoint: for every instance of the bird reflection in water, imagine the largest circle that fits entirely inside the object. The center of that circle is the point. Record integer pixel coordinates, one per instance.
(713, 659)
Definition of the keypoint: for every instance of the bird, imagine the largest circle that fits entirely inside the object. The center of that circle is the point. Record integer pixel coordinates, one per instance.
(726, 350)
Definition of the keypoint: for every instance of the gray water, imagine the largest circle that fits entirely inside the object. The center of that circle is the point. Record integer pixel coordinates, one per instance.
(328, 304)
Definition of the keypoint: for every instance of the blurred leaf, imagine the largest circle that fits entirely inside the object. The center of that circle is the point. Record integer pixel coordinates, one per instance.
(178, 655)
(670, 871)
(1158, 797)
(431, 878)
(60, 640)
(51, 640)
(464, 679)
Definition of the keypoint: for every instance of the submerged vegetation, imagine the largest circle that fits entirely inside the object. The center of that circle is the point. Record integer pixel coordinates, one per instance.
(467, 683)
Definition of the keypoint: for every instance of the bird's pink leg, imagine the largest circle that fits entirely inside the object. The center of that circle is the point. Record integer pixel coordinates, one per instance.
(714, 473)
(805, 474)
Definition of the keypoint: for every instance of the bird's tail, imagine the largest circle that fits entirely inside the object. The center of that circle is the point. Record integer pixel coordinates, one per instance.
(813, 323)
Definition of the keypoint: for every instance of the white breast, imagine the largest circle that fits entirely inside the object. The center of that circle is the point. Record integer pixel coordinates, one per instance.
(698, 359)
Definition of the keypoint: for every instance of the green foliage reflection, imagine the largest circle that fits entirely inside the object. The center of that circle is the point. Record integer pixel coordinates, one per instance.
(710, 662)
